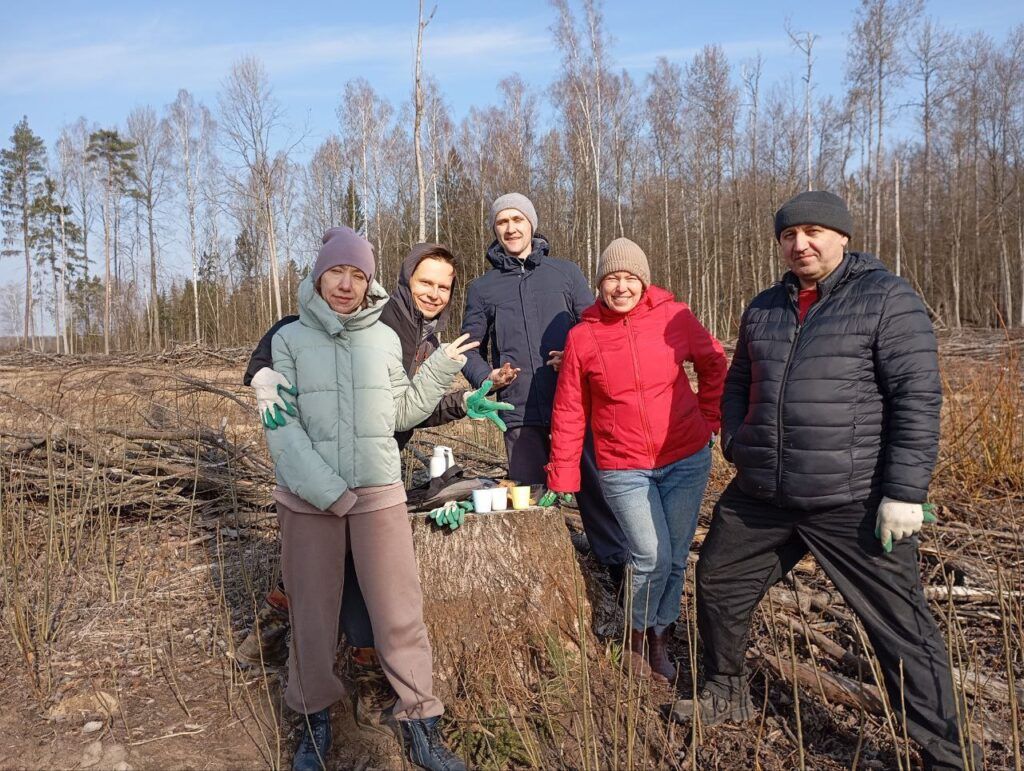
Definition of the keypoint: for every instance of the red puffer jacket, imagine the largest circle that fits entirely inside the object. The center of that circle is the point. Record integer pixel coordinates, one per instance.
(624, 371)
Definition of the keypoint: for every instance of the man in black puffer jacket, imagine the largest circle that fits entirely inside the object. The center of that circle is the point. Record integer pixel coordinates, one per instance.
(831, 417)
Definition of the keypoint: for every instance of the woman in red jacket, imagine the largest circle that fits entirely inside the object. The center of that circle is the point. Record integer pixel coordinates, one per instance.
(623, 371)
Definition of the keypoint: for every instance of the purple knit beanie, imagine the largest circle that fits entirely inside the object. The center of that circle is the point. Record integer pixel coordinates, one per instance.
(343, 246)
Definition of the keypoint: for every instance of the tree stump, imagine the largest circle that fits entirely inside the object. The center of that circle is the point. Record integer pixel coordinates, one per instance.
(500, 588)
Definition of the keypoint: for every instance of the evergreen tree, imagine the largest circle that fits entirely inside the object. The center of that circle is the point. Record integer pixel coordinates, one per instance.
(55, 239)
(354, 215)
(21, 180)
(114, 159)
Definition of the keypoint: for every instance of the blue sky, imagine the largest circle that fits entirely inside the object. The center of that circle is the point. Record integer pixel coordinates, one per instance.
(59, 60)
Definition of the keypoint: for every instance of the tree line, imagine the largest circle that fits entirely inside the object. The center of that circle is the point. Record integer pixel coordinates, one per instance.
(690, 162)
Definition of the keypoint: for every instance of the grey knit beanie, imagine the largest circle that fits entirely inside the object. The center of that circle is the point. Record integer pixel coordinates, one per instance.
(343, 246)
(516, 201)
(815, 207)
(623, 254)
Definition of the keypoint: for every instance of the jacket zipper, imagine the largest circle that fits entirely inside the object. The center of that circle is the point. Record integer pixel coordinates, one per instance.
(526, 320)
(782, 398)
(639, 391)
(782, 390)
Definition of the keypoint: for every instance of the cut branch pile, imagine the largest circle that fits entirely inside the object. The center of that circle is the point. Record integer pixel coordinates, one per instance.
(114, 438)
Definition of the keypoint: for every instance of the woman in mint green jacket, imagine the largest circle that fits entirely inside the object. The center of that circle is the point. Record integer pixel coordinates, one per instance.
(340, 489)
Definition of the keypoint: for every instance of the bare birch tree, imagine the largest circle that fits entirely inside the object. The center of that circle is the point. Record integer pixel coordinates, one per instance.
(804, 42)
(249, 116)
(418, 121)
(152, 144)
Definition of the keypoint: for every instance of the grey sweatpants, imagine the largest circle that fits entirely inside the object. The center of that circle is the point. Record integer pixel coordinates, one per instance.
(313, 548)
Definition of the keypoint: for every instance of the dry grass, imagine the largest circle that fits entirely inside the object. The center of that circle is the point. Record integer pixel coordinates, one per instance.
(137, 540)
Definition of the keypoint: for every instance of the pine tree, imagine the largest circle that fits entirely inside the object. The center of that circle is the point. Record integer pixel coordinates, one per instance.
(114, 158)
(21, 180)
(55, 238)
(354, 216)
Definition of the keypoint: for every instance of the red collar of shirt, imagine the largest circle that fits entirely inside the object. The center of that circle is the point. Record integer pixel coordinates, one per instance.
(806, 299)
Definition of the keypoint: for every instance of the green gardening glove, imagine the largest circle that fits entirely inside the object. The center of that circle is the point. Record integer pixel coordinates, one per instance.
(550, 498)
(452, 514)
(440, 514)
(897, 519)
(479, 407)
(929, 513)
(458, 515)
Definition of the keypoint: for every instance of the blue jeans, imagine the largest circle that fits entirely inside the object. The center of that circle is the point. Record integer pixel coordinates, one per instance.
(657, 510)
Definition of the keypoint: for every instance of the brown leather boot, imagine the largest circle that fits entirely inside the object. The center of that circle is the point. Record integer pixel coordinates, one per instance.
(634, 657)
(657, 654)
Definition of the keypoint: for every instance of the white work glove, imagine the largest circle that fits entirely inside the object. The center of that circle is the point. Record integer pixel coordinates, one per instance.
(896, 520)
(268, 385)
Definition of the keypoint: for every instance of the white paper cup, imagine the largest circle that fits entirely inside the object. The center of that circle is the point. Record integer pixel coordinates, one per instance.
(499, 498)
(521, 497)
(482, 501)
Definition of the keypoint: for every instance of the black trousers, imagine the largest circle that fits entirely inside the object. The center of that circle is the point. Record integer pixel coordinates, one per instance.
(752, 544)
(528, 448)
(355, 618)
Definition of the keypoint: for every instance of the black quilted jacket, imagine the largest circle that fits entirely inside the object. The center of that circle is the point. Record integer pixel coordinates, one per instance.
(842, 407)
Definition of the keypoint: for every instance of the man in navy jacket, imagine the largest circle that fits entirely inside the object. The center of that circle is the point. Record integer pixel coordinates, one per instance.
(831, 417)
(521, 310)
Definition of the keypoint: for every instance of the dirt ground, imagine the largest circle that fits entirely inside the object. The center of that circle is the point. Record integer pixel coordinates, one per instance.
(116, 638)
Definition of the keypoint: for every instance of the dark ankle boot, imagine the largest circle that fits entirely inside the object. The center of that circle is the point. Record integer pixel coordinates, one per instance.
(635, 655)
(657, 654)
(314, 742)
(423, 743)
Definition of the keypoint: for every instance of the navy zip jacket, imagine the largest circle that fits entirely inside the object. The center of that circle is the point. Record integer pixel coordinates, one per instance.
(520, 310)
(842, 407)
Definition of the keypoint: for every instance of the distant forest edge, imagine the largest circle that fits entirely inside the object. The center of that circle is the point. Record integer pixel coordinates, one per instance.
(690, 162)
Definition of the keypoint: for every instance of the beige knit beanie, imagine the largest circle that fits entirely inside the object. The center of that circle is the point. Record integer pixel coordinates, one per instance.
(623, 254)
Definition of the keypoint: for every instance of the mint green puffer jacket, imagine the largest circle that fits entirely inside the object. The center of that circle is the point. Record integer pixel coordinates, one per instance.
(354, 395)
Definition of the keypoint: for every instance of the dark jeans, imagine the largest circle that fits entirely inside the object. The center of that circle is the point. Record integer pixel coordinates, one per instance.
(528, 448)
(752, 544)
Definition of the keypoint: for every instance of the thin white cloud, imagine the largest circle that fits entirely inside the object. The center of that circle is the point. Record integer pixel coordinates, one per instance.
(157, 59)
(734, 50)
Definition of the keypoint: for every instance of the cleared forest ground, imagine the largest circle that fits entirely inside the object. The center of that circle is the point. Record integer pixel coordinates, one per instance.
(137, 537)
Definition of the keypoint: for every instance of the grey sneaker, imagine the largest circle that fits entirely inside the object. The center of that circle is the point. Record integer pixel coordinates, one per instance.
(580, 542)
(716, 704)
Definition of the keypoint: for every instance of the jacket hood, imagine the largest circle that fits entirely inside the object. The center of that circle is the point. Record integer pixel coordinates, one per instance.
(653, 297)
(853, 264)
(316, 313)
(402, 296)
(498, 258)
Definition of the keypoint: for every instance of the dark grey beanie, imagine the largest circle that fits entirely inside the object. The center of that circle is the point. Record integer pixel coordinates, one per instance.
(815, 207)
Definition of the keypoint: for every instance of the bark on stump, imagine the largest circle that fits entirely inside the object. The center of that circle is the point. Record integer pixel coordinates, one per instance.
(496, 591)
